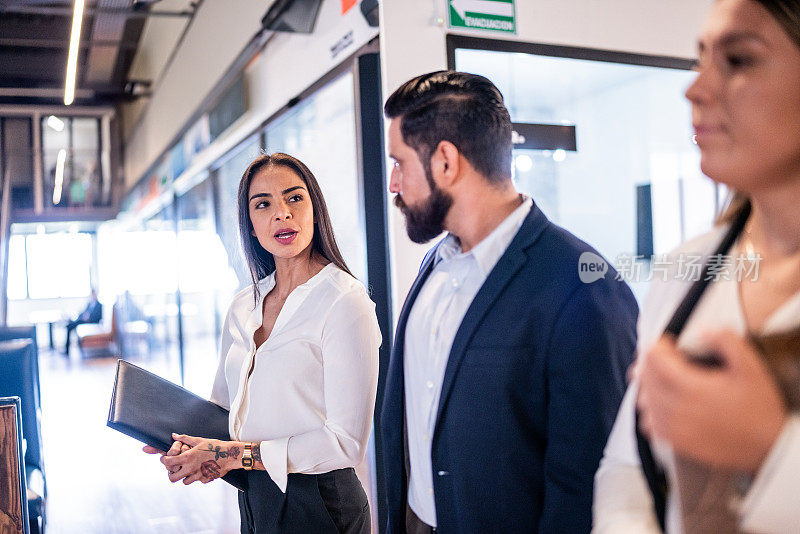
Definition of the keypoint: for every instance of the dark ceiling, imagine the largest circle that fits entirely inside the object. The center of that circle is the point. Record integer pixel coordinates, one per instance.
(34, 42)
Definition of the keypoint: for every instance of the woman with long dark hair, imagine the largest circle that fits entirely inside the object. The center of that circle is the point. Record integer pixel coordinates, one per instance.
(716, 387)
(298, 366)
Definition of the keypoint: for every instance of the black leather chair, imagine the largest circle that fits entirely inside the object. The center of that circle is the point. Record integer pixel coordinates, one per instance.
(25, 332)
(20, 378)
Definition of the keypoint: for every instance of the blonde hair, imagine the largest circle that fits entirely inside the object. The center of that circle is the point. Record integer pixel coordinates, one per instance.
(736, 203)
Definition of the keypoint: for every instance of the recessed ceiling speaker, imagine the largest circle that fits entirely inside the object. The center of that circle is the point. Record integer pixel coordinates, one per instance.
(295, 16)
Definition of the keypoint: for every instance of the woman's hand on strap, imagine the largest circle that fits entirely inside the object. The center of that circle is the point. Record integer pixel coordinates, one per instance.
(202, 459)
(728, 416)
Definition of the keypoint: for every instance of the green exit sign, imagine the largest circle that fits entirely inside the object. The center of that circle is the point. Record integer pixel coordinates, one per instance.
(495, 15)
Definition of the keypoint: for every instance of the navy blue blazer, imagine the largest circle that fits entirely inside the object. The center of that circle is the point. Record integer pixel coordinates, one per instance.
(531, 390)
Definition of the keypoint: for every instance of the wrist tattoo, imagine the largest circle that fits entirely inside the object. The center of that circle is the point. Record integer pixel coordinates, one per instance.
(210, 469)
(219, 452)
(256, 452)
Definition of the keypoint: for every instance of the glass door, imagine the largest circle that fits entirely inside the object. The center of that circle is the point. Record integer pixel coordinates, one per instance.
(633, 187)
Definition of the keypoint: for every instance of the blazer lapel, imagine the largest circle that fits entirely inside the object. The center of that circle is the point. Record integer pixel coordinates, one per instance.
(509, 264)
(395, 382)
(424, 271)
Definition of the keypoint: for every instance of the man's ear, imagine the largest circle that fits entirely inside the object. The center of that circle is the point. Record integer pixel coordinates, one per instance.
(445, 164)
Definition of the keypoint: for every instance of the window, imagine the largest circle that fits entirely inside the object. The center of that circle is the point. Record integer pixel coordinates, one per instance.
(321, 132)
(17, 277)
(633, 133)
(227, 178)
(71, 162)
(16, 136)
(44, 266)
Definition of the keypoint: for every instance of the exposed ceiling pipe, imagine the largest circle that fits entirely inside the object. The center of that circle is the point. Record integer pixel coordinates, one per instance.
(101, 61)
(57, 43)
(90, 12)
(42, 92)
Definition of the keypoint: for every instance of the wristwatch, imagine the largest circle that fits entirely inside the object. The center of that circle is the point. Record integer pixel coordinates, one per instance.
(247, 457)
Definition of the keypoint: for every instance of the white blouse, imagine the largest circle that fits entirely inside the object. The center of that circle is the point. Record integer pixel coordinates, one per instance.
(622, 502)
(311, 394)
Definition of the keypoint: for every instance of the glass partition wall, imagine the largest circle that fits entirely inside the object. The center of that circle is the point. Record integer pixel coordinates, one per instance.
(321, 132)
(71, 162)
(138, 264)
(16, 134)
(633, 187)
(59, 167)
(226, 187)
(206, 285)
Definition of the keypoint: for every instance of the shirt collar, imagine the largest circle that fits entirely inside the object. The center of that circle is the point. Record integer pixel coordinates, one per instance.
(266, 284)
(256, 316)
(492, 247)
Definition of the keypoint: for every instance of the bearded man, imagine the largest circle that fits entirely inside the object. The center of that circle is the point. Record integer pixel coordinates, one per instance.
(507, 370)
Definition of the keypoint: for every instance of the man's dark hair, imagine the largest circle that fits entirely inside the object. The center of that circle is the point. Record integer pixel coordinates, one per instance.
(464, 109)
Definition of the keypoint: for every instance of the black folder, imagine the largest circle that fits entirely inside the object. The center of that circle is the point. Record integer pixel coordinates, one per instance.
(150, 408)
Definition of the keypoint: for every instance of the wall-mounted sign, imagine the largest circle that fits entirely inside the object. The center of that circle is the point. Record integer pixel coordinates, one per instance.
(342, 44)
(495, 15)
(544, 136)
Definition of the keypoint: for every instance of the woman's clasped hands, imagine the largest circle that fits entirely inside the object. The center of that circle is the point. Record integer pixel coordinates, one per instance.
(728, 415)
(193, 459)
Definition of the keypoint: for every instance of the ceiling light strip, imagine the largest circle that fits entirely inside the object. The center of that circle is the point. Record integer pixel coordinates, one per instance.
(72, 59)
(62, 158)
(55, 123)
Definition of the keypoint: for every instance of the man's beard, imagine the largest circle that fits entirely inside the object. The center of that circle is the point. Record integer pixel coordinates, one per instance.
(426, 221)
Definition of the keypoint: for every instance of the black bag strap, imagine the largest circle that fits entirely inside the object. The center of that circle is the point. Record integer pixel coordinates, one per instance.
(654, 473)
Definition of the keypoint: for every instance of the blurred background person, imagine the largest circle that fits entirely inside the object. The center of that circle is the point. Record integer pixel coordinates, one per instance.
(93, 313)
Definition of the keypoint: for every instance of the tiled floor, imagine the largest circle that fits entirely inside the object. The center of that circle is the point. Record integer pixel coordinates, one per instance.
(99, 481)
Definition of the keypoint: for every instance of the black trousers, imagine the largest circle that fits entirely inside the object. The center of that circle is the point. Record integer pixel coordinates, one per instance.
(332, 502)
(415, 525)
(72, 325)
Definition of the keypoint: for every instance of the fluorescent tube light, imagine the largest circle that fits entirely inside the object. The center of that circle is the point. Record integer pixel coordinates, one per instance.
(62, 158)
(72, 58)
(55, 123)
